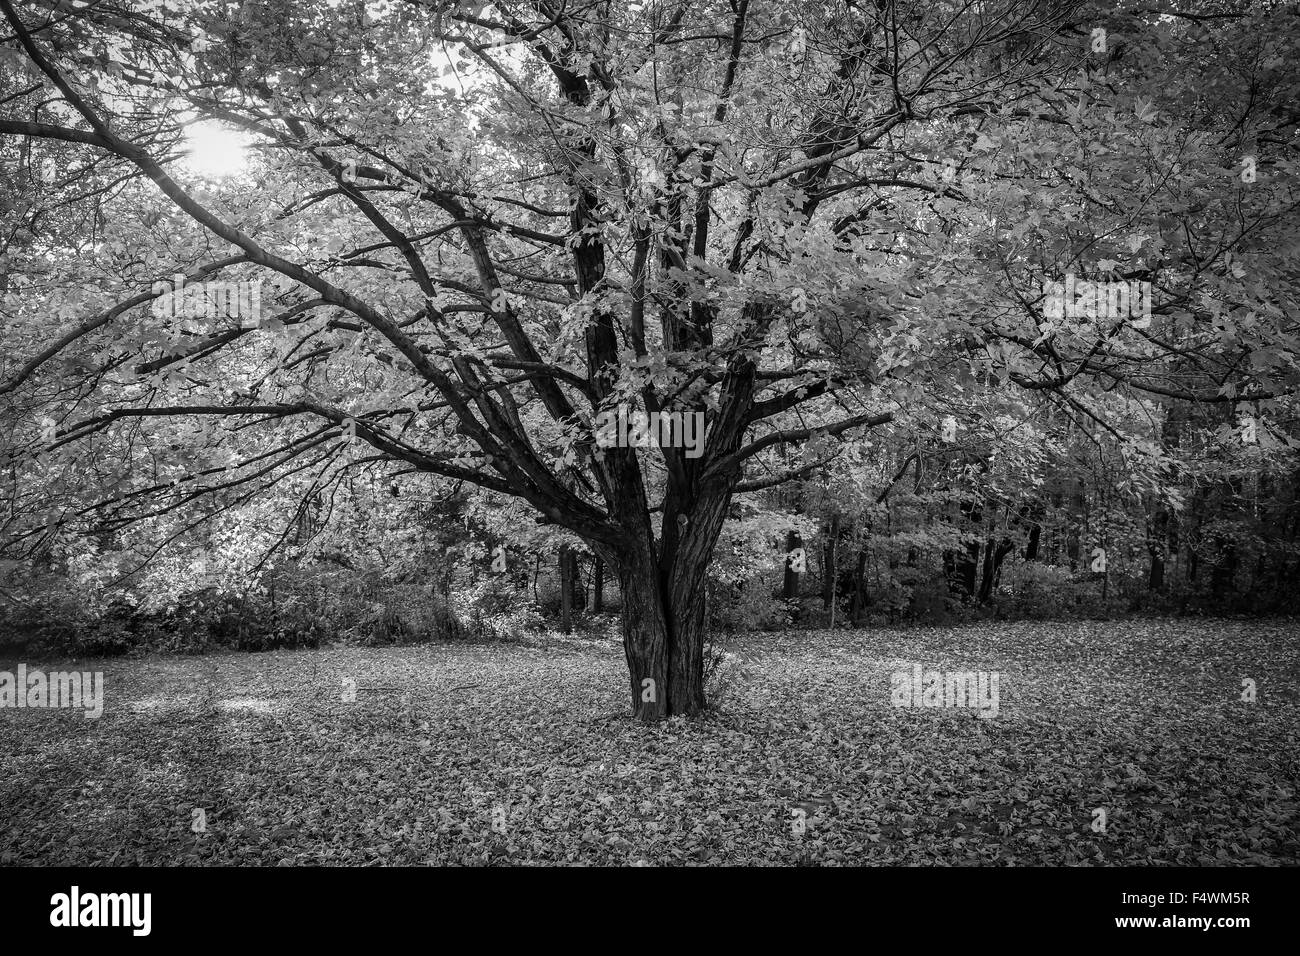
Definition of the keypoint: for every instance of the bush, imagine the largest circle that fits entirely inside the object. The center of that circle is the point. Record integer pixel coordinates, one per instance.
(300, 606)
(748, 605)
(722, 671)
(929, 599)
(1038, 591)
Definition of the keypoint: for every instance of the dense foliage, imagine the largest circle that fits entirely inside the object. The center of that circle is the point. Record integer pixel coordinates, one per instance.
(838, 230)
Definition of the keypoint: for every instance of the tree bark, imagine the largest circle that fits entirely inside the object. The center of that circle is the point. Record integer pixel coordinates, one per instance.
(961, 568)
(663, 624)
(1031, 549)
(790, 583)
(986, 575)
(859, 588)
(1224, 570)
(970, 565)
(566, 590)
(994, 555)
(577, 590)
(1156, 579)
(828, 562)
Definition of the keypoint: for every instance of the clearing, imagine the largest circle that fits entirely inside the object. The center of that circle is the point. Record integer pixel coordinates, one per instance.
(446, 746)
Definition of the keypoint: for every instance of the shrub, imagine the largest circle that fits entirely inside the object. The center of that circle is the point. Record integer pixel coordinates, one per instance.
(1040, 591)
(722, 671)
(748, 605)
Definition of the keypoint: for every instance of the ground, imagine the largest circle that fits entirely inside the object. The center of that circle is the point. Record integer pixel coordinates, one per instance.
(1144, 720)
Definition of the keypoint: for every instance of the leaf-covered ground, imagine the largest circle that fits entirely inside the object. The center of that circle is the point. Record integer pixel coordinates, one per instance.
(1144, 720)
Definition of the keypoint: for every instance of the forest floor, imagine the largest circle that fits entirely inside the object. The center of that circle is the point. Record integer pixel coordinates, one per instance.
(522, 753)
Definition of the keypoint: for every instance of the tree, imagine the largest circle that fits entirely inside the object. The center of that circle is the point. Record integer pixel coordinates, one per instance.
(486, 226)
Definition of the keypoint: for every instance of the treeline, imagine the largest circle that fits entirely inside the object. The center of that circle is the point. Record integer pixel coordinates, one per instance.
(928, 531)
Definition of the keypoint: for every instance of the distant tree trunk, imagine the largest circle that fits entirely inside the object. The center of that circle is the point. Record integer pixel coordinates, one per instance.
(1225, 568)
(1054, 534)
(577, 588)
(566, 590)
(790, 584)
(994, 555)
(859, 588)
(970, 568)
(986, 578)
(1031, 548)
(1157, 541)
(828, 563)
(1156, 580)
(1074, 542)
(962, 567)
(598, 587)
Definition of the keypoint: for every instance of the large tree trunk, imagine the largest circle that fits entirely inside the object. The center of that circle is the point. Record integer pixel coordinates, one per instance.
(663, 613)
(663, 636)
(663, 581)
(645, 624)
